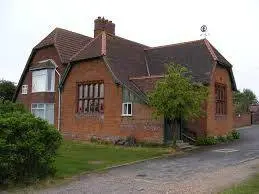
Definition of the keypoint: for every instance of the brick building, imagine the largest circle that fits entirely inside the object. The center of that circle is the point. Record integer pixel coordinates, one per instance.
(97, 86)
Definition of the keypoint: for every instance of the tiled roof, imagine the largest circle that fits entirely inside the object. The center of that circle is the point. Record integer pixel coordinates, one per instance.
(193, 55)
(66, 42)
(126, 59)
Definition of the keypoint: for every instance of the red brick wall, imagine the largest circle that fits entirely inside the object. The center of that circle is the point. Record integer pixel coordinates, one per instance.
(142, 125)
(241, 120)
(111, 124)
(41, 97)
(219, 125)
(84, 126)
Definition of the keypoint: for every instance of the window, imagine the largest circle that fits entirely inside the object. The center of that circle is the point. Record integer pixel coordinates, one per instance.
(44, 111)
(43, 80)
(127, 109)
(90, 97)
(24, 89)
(221, 99)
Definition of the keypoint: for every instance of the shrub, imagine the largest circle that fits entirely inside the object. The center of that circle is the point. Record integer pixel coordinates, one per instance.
(206, 141)
(230, 136)
(8, 106)
(222, 139)
(27, 146)
(235, 134)
(130, 141)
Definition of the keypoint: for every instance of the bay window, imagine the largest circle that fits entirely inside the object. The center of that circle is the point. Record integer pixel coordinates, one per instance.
(44, 111)
(43, 80)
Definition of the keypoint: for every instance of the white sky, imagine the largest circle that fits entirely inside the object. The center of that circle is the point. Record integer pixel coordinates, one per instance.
(233, 27)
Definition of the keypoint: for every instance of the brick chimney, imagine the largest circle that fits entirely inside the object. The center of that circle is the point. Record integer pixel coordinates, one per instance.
(101, 24)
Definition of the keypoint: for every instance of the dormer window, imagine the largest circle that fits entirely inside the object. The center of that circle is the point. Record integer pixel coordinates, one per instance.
(43, 80)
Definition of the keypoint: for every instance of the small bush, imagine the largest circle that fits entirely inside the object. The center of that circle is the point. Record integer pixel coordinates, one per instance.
(206, 141)
(230, 136)
(222, 139)
(130, 141)
(235, 134)
(28, 146)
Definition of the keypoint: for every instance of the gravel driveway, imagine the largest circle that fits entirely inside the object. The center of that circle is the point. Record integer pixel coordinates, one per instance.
(204, 171)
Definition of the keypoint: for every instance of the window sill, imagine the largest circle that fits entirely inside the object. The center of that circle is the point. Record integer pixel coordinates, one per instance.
(90, 114)
(126, 115)
(44, 92)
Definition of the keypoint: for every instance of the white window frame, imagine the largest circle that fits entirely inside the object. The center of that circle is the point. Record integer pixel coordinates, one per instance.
(44, 109)
(46, 81)
(24, 89)
(126, 114)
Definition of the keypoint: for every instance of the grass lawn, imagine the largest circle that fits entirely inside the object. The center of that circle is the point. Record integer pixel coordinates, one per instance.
(250, 186)
(75, 157)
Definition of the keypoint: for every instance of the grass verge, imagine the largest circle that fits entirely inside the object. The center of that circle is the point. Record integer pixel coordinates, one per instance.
(251, 186)
(76, 158)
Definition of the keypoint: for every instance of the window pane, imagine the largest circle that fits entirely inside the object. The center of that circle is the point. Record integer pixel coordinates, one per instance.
(49, 113)
(91, 91)
(86, 91)
(40, 105)
(38, 113)
(91, 105)
(129, 109)
(80, 91)
(50, 79)
(39, 81)
(96, 90)
(96, 106)
(86, 106)
(125, 109)
(34, 106)
(80, 106)
(101, 90)
(101, 106)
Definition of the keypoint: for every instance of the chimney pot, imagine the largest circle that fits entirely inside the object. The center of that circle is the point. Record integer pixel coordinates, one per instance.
(102, 24)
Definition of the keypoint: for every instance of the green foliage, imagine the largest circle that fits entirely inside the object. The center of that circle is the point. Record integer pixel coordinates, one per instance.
(130, 141)
(27, 146)
(222, 139)
(243, 100)
(235, 134)
(230, 137)
(8, 106)
(176, 96)
(7, 90)
(206, 141)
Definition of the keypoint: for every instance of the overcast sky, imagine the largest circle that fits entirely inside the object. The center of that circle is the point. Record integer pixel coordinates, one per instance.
(233, 27)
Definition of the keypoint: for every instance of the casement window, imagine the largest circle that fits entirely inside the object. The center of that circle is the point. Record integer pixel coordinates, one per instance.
(90, 97)
(43, 80)
(24, 89)
(44, 111)
(127, 109)
(221, 99)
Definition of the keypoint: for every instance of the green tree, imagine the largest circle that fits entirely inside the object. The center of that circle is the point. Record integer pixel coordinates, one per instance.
(177, 96)
(243, 100)
(7, 89)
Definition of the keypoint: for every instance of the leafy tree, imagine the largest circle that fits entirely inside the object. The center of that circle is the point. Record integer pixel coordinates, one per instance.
(243, 100)
(176, 96)
(7, 89)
